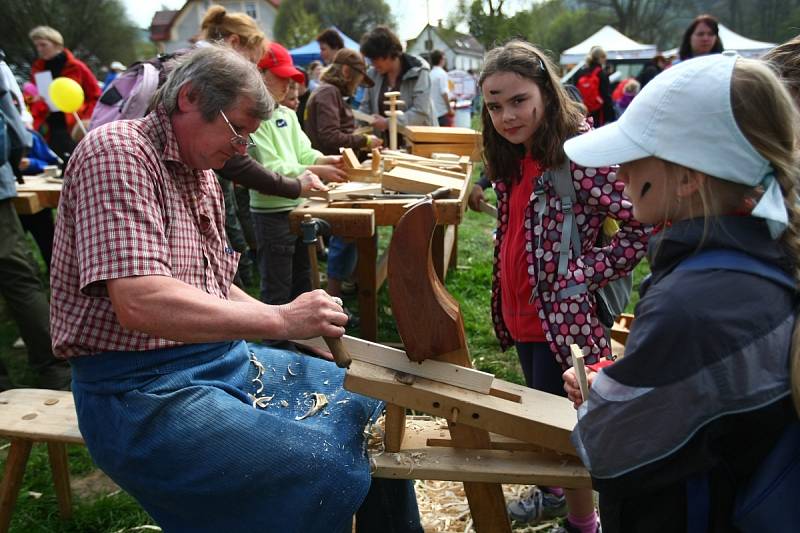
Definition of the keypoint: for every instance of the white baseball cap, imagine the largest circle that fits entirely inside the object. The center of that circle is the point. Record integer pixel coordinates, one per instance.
(684, 115)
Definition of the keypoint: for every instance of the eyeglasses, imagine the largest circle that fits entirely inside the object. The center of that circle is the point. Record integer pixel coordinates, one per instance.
(237, 140)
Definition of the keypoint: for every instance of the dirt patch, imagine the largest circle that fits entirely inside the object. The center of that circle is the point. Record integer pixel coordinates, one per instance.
(94, 485)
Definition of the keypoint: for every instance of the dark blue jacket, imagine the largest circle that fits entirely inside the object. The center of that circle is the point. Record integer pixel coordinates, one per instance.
(703, 387)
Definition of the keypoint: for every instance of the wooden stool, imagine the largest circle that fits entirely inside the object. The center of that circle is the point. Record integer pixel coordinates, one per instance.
(36, 415)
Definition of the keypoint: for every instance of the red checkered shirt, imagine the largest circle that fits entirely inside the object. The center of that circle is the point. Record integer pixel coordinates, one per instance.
(131, 207)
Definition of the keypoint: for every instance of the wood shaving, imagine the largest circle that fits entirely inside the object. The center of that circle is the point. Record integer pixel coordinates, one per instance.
(319, 403)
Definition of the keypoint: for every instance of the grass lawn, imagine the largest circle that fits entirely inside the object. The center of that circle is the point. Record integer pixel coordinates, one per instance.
(100, 509)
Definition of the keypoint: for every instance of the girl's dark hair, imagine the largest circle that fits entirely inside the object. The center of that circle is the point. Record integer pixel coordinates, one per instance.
(562, 118)
(381, 42)
(685, 51)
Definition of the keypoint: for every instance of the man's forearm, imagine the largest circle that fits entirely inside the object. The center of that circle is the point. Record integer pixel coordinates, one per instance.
(164, 307)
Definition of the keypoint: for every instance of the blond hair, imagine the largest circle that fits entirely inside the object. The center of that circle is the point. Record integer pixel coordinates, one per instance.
(766, 115)
(46, 33)
(786, 59)
(218, 24)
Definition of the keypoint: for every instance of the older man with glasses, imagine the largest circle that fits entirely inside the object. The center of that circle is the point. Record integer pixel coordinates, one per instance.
(204, 430)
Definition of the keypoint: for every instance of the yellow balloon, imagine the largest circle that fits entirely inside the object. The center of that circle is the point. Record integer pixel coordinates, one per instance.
(66, 94)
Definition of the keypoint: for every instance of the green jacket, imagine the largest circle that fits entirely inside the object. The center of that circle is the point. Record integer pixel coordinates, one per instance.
(283, 147)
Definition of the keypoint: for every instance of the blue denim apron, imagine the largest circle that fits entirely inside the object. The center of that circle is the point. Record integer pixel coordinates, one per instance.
(177, 429)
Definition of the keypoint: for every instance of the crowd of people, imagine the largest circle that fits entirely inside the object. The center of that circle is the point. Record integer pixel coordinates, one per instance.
(164, 217)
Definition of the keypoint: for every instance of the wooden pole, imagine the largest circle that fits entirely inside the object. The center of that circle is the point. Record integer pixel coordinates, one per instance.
(580, 370)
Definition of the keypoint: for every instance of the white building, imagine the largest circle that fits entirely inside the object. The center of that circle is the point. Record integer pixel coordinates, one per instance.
(463, 51)
(173, 30)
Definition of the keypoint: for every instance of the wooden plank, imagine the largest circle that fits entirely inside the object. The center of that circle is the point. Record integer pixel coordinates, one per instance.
(349, 158)
(435, 170)
(394, 359)
(417, 181)
(473, 151)
(388, 212)
(493, 466)
(27, 203)
(440, 135)
(339, 191)
(344, 222)
(364, 175)
(39, 415)
(539, 418)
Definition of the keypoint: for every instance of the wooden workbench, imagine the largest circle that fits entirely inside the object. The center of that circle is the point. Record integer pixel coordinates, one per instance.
(371, 270)
(37, 193)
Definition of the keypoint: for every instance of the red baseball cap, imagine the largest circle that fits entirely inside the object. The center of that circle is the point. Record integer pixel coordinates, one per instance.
(277, 60)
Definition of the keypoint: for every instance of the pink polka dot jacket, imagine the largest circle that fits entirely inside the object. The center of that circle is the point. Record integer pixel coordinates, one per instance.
(573, 319)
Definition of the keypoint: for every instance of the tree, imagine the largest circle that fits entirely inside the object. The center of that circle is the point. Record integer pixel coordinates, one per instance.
(643, 20)
(295, 24)
(299, 21)
(356, 18)
(554, 27)
(488, 23)
(97, 31)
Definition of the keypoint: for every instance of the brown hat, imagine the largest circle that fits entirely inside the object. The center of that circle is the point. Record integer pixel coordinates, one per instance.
(353, 59)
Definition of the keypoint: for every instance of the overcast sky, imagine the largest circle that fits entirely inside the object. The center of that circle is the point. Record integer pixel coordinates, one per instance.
(411, 15)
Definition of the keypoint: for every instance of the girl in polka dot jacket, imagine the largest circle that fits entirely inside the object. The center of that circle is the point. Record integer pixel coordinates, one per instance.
(527, 117)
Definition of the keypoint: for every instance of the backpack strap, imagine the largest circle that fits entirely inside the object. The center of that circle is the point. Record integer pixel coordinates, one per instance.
(725, 259)
(784, 455)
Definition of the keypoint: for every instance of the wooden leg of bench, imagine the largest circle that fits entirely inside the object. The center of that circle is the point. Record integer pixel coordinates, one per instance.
(17, 458)
(486, 501)
(395, 424)
(60, 467)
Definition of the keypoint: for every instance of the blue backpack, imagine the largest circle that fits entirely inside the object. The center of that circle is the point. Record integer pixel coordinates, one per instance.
(769, 501)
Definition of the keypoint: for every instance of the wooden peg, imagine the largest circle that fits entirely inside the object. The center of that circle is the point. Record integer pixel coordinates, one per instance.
(580, 370)
(376, 160)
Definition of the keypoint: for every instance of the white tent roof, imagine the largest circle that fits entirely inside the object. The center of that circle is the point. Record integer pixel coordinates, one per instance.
(746, 47)
(733, 41)
(616, 45)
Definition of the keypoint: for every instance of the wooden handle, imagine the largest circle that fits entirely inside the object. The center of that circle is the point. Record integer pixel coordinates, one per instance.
(340, 355)
(580, 370)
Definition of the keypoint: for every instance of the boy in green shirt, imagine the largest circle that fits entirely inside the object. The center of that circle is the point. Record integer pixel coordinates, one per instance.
(283, 147)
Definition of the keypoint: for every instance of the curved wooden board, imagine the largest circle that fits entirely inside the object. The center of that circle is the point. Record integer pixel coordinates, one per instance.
(428, 318)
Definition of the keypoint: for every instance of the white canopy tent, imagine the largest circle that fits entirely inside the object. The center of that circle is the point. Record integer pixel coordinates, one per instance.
(733, 41)
(615, 44)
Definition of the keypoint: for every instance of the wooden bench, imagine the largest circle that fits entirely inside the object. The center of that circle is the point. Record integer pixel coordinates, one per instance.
(36, 415)
(28, 416)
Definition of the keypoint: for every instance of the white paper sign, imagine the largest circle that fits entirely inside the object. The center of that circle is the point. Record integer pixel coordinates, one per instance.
(43, 81)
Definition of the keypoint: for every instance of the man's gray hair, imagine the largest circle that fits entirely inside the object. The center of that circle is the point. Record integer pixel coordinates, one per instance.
(218, 77)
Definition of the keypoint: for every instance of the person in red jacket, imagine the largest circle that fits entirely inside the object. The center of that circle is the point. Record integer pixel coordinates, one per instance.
(59, 61)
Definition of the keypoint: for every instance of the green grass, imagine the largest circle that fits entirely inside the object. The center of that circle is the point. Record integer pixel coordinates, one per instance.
(469, 283)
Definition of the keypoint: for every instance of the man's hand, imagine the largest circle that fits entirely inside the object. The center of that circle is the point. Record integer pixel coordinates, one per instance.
(475, 197)
(24, 163)
(374, 141)
(329, 172)
(571, 385)
(310, 183)
(334, 160)
(381, 123)
(312, 314)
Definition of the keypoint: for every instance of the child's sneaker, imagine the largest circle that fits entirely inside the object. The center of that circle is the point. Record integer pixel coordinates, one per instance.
(536, 506)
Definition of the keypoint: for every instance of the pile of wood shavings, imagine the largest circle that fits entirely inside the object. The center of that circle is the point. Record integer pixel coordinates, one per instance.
(443, 505)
